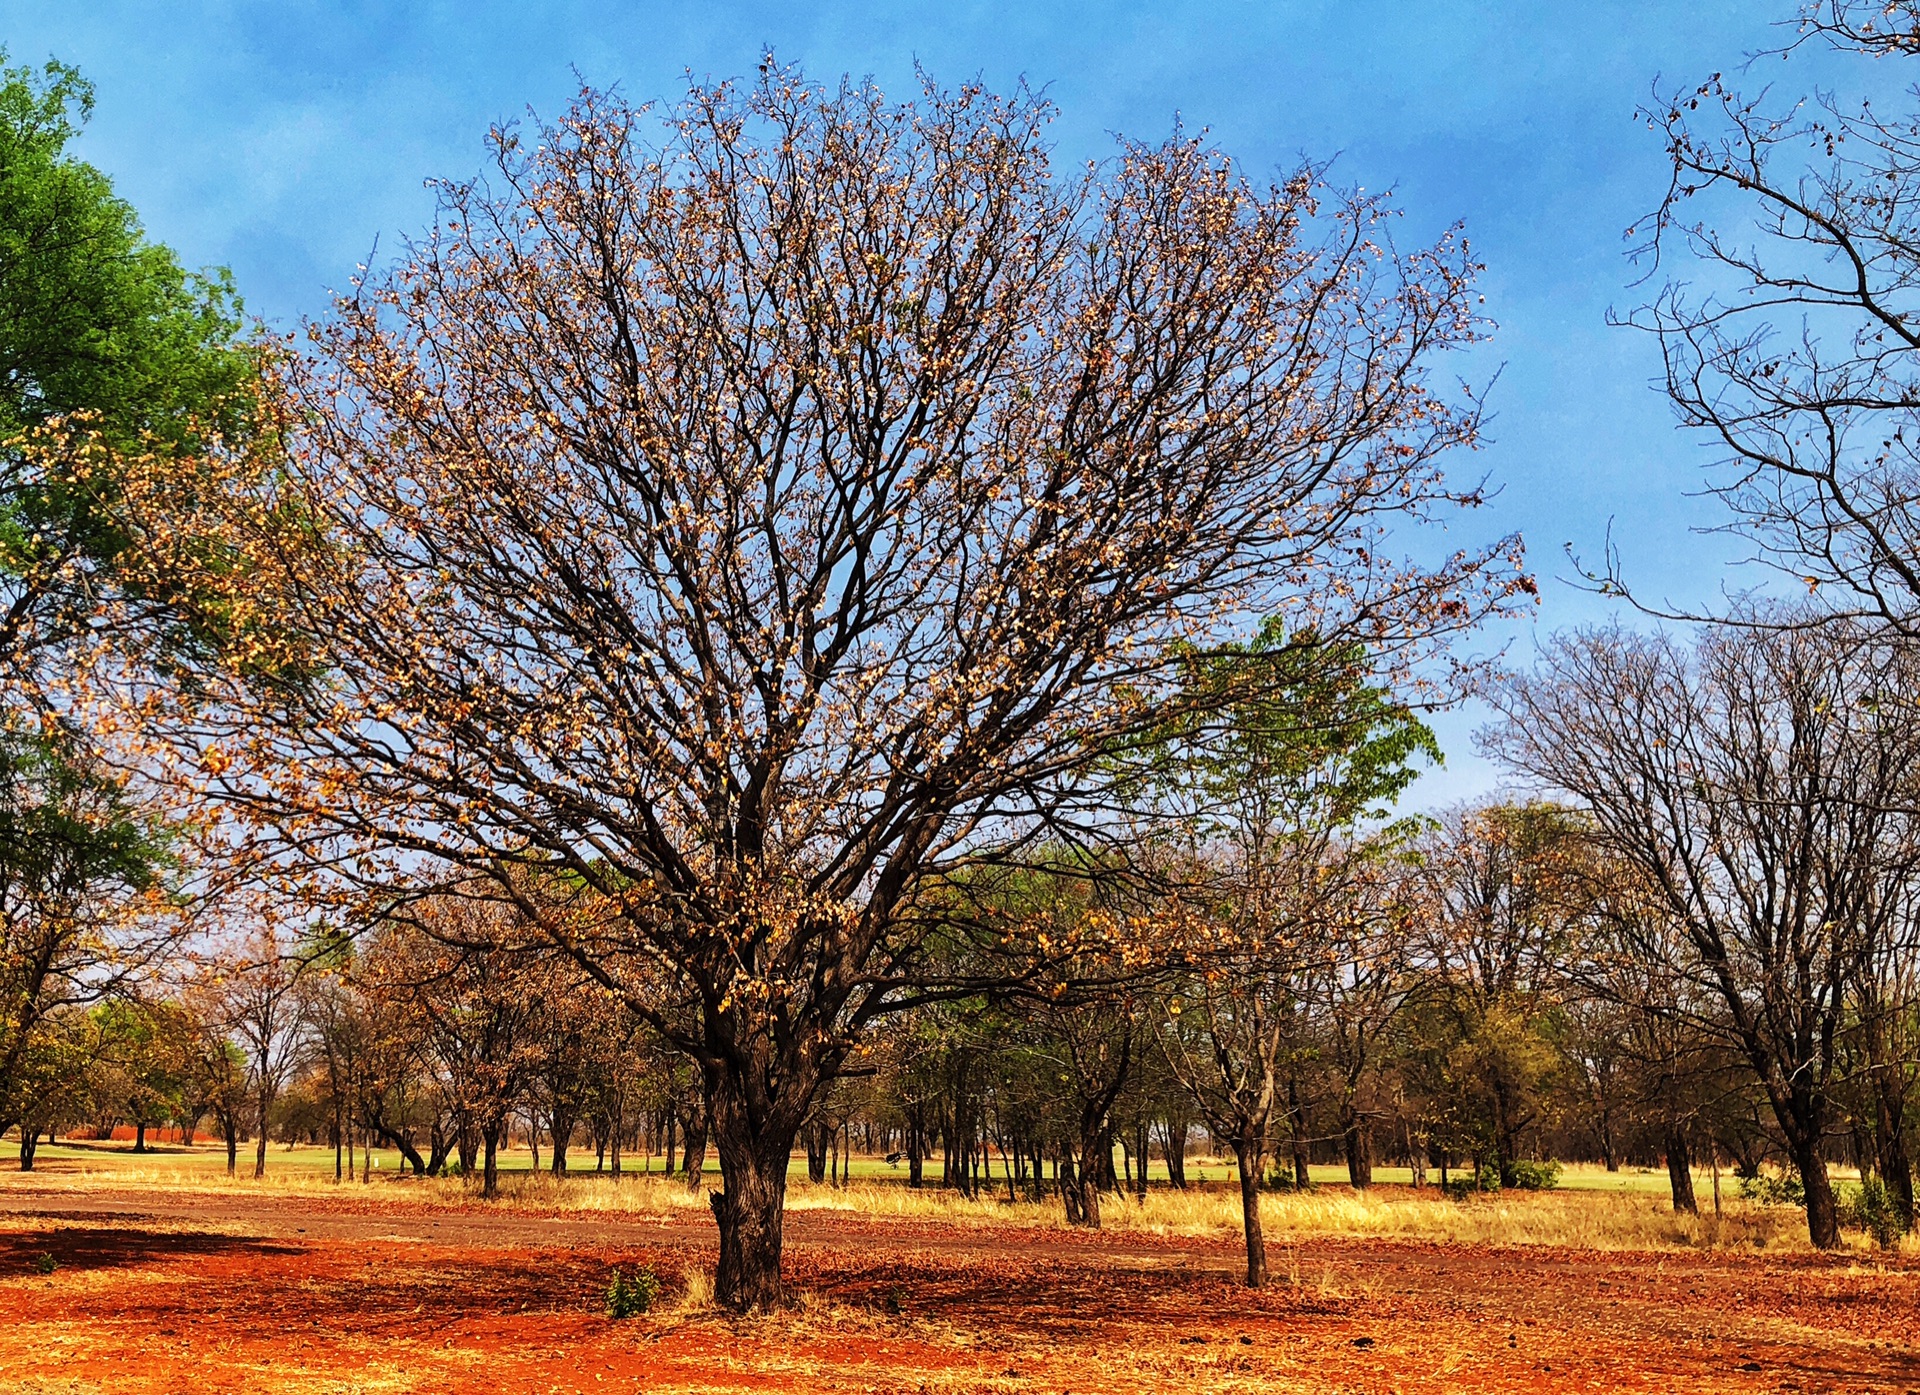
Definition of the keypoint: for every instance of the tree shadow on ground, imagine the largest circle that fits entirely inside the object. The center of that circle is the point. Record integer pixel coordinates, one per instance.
(121, 1247)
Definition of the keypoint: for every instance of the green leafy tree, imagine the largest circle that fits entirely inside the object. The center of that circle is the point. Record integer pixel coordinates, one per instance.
(1282, 796)
(95, 321)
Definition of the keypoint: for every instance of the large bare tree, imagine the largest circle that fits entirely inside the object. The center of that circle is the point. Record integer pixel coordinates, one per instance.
(760, 509)
(1790, 327)
(1761, 785)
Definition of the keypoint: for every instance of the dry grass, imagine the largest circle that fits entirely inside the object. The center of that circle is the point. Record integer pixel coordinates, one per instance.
(1582, 1218)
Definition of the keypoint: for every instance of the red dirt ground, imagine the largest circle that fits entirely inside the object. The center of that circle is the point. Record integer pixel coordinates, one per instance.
(157, 1295)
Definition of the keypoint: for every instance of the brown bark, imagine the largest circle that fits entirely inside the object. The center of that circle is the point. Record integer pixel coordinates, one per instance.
(751, 1207)
(1249, 1157)
(1680, 1170)
(1823, 1216)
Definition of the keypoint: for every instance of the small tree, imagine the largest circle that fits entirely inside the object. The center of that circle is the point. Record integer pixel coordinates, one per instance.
(1302, 752)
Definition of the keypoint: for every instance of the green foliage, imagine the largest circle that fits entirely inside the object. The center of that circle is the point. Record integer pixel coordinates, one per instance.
(93, 317)
(629, 1297)
(1773, 1189)
(45, 1263)
(1534, 1176)
(65, 829)
(1297, 722)
(1869, 1206)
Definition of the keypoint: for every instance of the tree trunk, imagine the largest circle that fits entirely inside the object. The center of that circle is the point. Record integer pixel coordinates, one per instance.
(817, 1153)
(1823, 1218)
(1359, 1146)
(1297, 1125)
(562, 1128)
(1142, 1142)
(1066, 1176)
(1091, 1167)
(751, 1205)
(29, 1145)
(140, 1136)
(1177, 1153)
(916, 1148)
(1249, 1157)
(230, 1127)
(491, 1166)
(1680, 1170)
(260, 1151)
(695, 1147)
(1889, 1140)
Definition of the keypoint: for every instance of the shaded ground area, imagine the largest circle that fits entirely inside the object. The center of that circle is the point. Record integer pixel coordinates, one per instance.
(217, 1293)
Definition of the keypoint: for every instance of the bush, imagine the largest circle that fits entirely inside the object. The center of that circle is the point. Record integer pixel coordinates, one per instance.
(628, 1297)
(1869, 1206)
(1536, 1176)
(45, 1264)
(1771, 1189)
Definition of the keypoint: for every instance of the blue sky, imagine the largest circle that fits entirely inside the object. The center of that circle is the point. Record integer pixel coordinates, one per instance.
(281, 138)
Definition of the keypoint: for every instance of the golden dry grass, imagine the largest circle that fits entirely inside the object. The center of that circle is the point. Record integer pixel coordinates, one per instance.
(1578, 1217)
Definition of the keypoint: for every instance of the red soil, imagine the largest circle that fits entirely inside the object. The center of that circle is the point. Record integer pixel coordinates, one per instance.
(212, 1294)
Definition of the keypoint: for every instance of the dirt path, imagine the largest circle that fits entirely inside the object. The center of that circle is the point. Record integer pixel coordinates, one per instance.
(158, 1293)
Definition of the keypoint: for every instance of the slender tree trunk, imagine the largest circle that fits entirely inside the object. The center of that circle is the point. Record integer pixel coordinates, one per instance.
(1249, 1158)
(1177, 1153)
(490, 1175)
(231, 1128)
(695, 1148)
(1142, 1142)
(260, 1150)
(29, 1145)
(1680, 1169)
(1889, 1137)
(916, 1147)
(1297, 1125)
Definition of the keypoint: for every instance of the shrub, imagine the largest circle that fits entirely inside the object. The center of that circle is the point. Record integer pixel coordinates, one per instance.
(1536, 1176)
(45, 1264)
(1869, 1206)
(628, 1297)
(1773, 1189)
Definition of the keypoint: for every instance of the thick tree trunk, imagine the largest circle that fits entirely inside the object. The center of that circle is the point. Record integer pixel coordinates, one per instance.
(140, 1136)
(1823, 1217)
(29, 1145)
(1249, 1157)
(1359, 1146)
(562, 1128)
(1088, 1181)
(751, 1206)
(230, 1128)
(1680, 1170)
